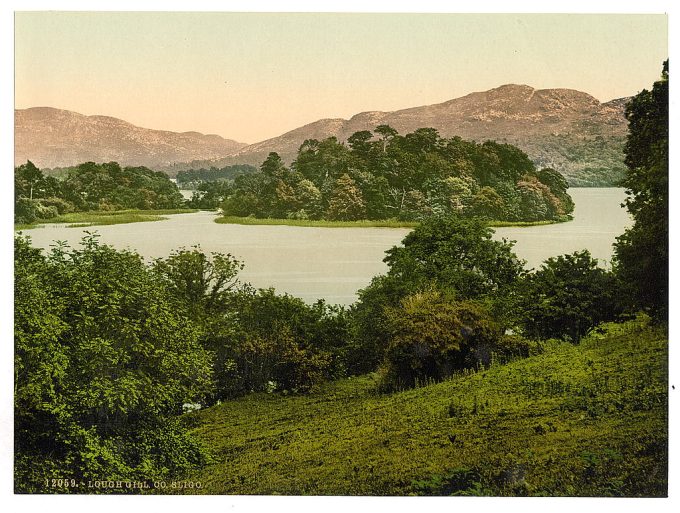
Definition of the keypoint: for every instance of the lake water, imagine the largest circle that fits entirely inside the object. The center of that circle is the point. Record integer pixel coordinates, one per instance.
(333, 263)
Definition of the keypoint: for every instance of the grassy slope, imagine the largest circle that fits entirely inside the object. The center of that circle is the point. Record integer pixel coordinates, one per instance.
(576, 420)
(98, 218)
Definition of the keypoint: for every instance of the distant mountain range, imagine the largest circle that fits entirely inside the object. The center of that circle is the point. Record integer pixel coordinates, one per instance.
(566, 129)
(57, 138)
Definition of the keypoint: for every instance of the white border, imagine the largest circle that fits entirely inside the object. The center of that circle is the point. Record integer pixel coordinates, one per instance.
(282, 504)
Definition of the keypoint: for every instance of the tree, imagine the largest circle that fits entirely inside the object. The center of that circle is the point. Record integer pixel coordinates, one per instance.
(201, 283)
(487, 204)
(30, 175)
(103, 364)
(346, 202)
(273, 166)
(453, 255)
(209, 195)
(567, 297)
(456, 254)
(641, 253)
(360, 143)
(272, 341)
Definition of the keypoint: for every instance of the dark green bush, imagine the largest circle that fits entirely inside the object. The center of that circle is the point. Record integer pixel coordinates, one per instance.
(566, 297)
(103, 363)
(432, 336)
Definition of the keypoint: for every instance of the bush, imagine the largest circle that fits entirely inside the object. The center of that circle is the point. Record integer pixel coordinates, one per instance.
(45, 212)
(266, 337)
(567, 297)
(103, 364)
(510, 347)
(25, 211)
(273, 362)
(456, 255)
(431, 336)
(62, 206)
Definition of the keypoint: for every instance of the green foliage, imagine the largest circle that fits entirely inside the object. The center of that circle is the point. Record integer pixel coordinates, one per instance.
(192, 178)
(209, 195)
(25, 211)
(382, 175)
(202, 284)
(454, 255)
(566, 297)
(346, 202)
(575, 420)
(102, 359)
(275, 342)
(457, 482)
(88, 187)
(641, 253)
(432, 336)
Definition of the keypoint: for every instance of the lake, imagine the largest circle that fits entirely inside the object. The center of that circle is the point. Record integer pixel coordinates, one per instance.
(333, 263)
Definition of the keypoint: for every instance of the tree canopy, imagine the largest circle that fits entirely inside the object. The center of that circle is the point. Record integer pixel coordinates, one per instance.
(383, 174)
(90, 186)
(641, 253)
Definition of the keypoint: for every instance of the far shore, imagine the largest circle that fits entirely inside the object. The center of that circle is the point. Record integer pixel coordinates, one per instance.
(99, 218)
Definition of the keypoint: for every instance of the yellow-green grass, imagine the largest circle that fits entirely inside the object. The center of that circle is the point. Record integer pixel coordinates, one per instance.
(364, 223)
(576, 420)
(97, 218)
(319, 223)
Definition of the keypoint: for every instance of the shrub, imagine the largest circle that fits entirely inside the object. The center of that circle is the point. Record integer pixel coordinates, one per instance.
(267, 337)
(431, 336)
(25, 211)
(567, 297)
(103, 364)
(62, 206)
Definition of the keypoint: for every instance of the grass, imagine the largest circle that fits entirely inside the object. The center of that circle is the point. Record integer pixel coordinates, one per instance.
(365, 223)
(586, 420)
(97, 218)
(520, 224)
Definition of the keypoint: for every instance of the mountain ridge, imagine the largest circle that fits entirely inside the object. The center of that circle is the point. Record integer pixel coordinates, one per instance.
(566, 129)
(563, 128)
(52, 137)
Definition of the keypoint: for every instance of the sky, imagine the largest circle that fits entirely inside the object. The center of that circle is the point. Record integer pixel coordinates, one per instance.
(252, 76)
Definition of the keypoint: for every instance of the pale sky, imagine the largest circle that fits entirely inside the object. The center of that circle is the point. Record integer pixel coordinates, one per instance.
(253, 76)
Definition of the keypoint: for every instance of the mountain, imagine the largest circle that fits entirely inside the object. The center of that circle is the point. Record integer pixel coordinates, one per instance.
(57, 138)
(566, 129)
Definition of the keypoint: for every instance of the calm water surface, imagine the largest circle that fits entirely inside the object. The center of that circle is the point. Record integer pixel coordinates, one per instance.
(598, 220)
(333, 263)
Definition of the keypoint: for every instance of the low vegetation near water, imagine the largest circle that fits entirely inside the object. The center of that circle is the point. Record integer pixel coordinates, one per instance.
(99, 218)
(366, 223)
(586, 420)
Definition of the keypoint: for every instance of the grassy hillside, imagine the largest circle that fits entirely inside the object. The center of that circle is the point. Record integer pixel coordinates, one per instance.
(586, 420)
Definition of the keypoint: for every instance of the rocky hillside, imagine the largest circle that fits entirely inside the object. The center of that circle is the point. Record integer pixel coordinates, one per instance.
(561, 128)
(55, 138)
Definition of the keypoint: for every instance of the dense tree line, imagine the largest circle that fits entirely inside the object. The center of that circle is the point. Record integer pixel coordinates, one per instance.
(88, 187)
(191, 178)
(382, 174)
(209, 195)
